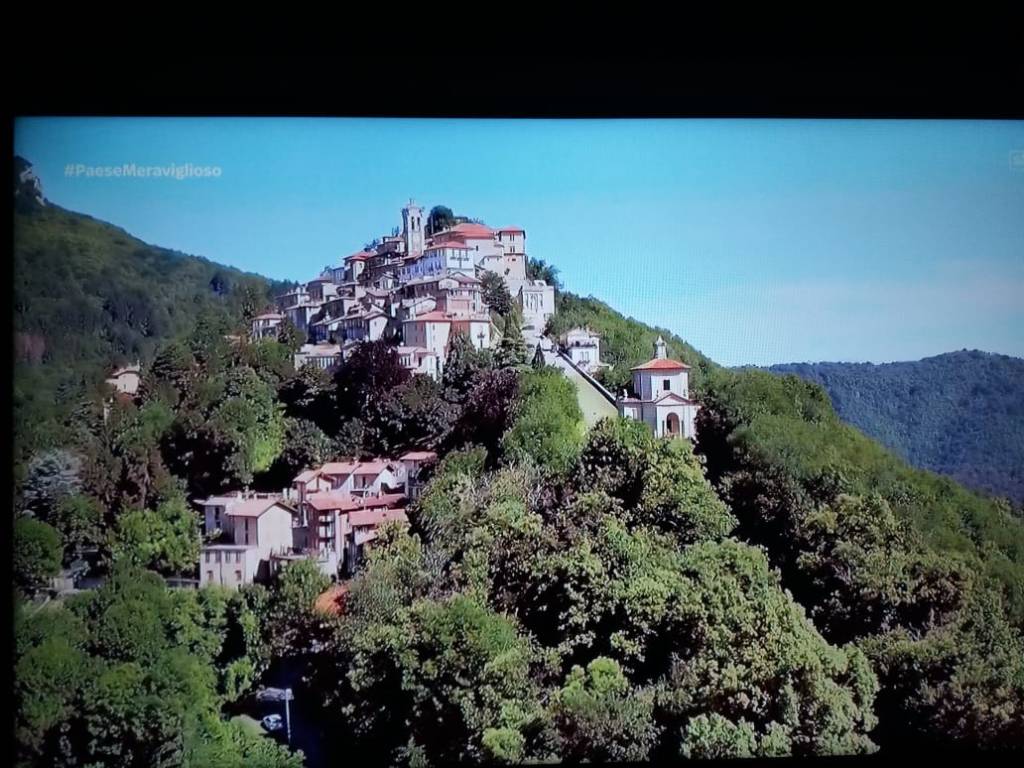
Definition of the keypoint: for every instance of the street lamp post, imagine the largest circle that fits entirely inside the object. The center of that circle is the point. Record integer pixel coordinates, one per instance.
(280, 694)
(287, 714)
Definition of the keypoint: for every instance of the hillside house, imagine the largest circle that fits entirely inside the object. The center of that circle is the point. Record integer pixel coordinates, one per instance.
(325, 356)
(355, 265)
(126, 380)
(264, 326)
(361, 478)
(583, 347)
(330, 531)
(412, 463)
(418, 360)
(432, 330)
(253, 530)
(363, 525)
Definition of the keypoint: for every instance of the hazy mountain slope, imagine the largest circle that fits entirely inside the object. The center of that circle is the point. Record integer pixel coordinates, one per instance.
(88, 296)
(960, 414)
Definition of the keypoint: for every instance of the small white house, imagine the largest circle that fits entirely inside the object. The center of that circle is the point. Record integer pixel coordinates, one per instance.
(126, 380)
(661, 396)
(325, 356)
(265, 326)
(583, 347)
(411, 465)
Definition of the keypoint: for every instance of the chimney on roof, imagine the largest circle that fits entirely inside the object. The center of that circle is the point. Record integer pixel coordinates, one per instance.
(659, 349)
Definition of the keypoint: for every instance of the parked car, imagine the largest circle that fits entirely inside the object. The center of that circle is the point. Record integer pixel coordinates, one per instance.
(273, 723)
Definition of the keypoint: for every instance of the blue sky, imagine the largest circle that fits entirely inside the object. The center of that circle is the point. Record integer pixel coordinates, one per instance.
(759, 241)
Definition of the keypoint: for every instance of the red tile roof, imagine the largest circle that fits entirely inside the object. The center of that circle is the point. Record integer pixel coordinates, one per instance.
(346, 502)
(339, 467)
(418, 456)
(371, 467)
(472, 230)
(376, 517)
(361, 256)
(661, 364)
(430, 317)
(333, 600)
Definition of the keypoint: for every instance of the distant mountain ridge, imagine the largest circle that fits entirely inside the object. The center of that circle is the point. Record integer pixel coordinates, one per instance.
(960, 414)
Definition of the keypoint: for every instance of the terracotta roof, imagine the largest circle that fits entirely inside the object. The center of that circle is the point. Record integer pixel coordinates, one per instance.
(371, 467)
(661, 364)
(418, 456)
(361, 256)
(305, 477)
(376, 516)
(430, 317)
(465, 278)
(333, 600)
(253, 507)
(339, 467)
(467, 229)
(346, 502)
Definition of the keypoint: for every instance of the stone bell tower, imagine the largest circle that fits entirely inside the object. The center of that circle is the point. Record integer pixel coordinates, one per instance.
(412, 229)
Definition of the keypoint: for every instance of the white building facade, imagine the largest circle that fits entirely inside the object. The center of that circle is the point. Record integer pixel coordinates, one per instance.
(661, 397)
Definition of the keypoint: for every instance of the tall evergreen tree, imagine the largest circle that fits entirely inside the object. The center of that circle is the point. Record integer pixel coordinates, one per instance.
(538, 358)
(512, 348)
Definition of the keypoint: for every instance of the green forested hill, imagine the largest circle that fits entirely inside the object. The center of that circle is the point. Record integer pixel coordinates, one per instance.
(960, 414)
(757, 419)
(87, 297)
(924, 575)
(788, 587)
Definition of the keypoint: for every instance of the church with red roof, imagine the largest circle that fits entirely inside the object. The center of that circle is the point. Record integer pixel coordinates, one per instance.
(661, 396)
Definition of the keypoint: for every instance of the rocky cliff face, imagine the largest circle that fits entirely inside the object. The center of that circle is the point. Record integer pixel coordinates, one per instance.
(28, 190)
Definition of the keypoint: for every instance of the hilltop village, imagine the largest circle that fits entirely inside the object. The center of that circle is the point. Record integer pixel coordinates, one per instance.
(414, 290)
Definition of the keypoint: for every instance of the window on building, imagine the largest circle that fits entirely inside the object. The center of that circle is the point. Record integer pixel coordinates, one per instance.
(238, 575)
(666, 384)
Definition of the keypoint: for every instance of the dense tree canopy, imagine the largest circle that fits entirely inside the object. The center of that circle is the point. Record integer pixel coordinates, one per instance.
(37, 554)
(602, 617)
(131, 674)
